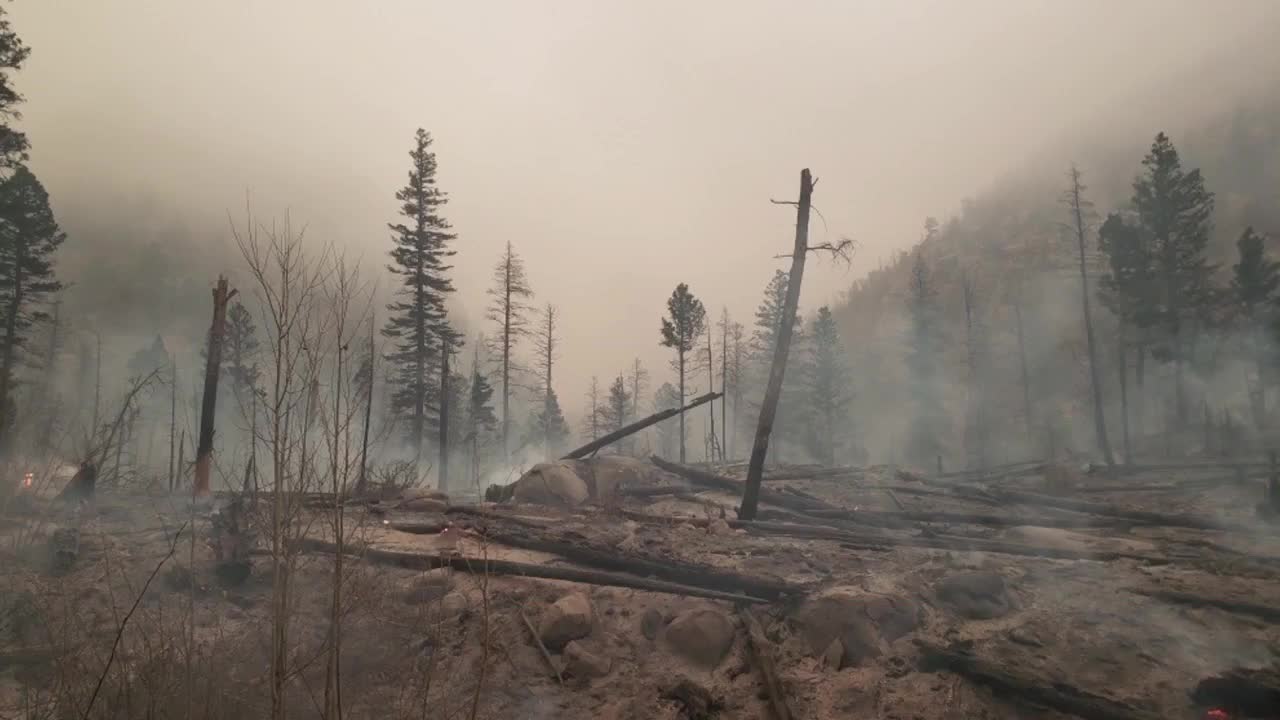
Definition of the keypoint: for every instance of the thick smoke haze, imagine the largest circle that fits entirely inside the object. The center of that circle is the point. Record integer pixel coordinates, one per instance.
(621, 147)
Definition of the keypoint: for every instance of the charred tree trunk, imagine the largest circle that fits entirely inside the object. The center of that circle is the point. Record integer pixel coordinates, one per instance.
(1024, 375)
(711, 407)
(760, 448)
(173, 418)
(10, 351)
(444, 414)
(204, 449)
(680, 356)
(363, 481)
(1124, 400)
(1095, 379)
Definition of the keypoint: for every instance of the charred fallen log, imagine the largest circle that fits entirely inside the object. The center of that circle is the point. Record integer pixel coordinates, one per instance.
(1264, 612)
(490, 566)
(637, 426)
(1141, 516)
(799, 503)
(1244, 692)
(1029, 689)
(671, 570)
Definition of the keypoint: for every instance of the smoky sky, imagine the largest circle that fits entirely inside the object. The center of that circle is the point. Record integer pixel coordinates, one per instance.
(621, 147)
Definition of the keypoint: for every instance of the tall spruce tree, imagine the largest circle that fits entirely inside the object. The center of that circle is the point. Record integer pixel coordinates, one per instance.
(13, 144)
(1175, 209)
(545, 342)
(1127, 289)
(591, 423)
(925, 440)
(618, 406)
(509, 310)
(418, 323)
(788, 429)
(29, 238)
(549, 427)
(240, 353)
(1255, 284)
(827, 379)
(685, 320)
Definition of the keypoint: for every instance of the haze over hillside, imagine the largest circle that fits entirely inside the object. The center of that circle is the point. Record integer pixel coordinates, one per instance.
(619, 150)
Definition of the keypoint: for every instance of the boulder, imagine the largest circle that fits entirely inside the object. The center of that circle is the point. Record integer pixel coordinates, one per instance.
(454, 603)
(860, 621)
(418, 500)
(605, 474)
(553, 483)
(700, 636)
(568, 618)
(583, 663)
(833, 656)
(975, 595)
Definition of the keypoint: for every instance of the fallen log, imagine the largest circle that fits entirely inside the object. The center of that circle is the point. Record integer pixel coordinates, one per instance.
(1028, 689)
(1264, 612)
(798, 503)
(637, 426)
(869, 541)
(906, 518)
(490, 566)
(1245, 692)
(670, 570)
(1143, 516)
(762, 652)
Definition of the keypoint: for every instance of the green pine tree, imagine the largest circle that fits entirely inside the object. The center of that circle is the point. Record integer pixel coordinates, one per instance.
(29, 238)
(826, 379)
(1255, 283)
(419, 322)
(926, 438)
(1174, 209)
(685, 321)
(13, 144)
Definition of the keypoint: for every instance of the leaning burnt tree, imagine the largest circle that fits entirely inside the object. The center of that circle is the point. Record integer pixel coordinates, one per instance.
(213, 364)
(769, 408)
(1079, 207)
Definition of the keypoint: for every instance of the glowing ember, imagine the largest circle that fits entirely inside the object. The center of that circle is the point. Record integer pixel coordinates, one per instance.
(28, 479)
(1216, 714)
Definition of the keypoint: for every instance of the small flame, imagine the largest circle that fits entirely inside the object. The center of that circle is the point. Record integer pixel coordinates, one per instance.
(28, 479)
(1216, 714)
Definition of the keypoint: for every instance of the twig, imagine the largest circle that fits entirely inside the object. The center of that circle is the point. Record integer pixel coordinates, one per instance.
(759, 645)
(543, 648)
(173, 548)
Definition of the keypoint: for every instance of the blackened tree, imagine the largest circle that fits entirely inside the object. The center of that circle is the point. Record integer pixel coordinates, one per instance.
(509, 310)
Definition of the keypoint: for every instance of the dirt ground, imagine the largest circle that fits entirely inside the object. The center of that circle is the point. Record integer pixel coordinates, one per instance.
(412, 640)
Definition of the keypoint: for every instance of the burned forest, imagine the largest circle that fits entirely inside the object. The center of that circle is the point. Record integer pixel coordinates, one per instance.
(623, 362)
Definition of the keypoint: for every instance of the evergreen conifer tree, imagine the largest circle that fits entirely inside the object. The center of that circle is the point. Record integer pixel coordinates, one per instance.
(29, 238)
(686, 318)
(1174, 209)
(418, 321)
(925, 440)
(827, 379)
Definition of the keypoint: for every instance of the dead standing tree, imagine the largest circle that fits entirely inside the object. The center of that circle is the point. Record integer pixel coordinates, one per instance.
(213, 364)
(769, 408)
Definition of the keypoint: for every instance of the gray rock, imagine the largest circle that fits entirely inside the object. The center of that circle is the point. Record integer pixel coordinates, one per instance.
(862, 622)
(700, 636)
(651, 623)
(583, 663)
(975, 595)
(569, 618)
